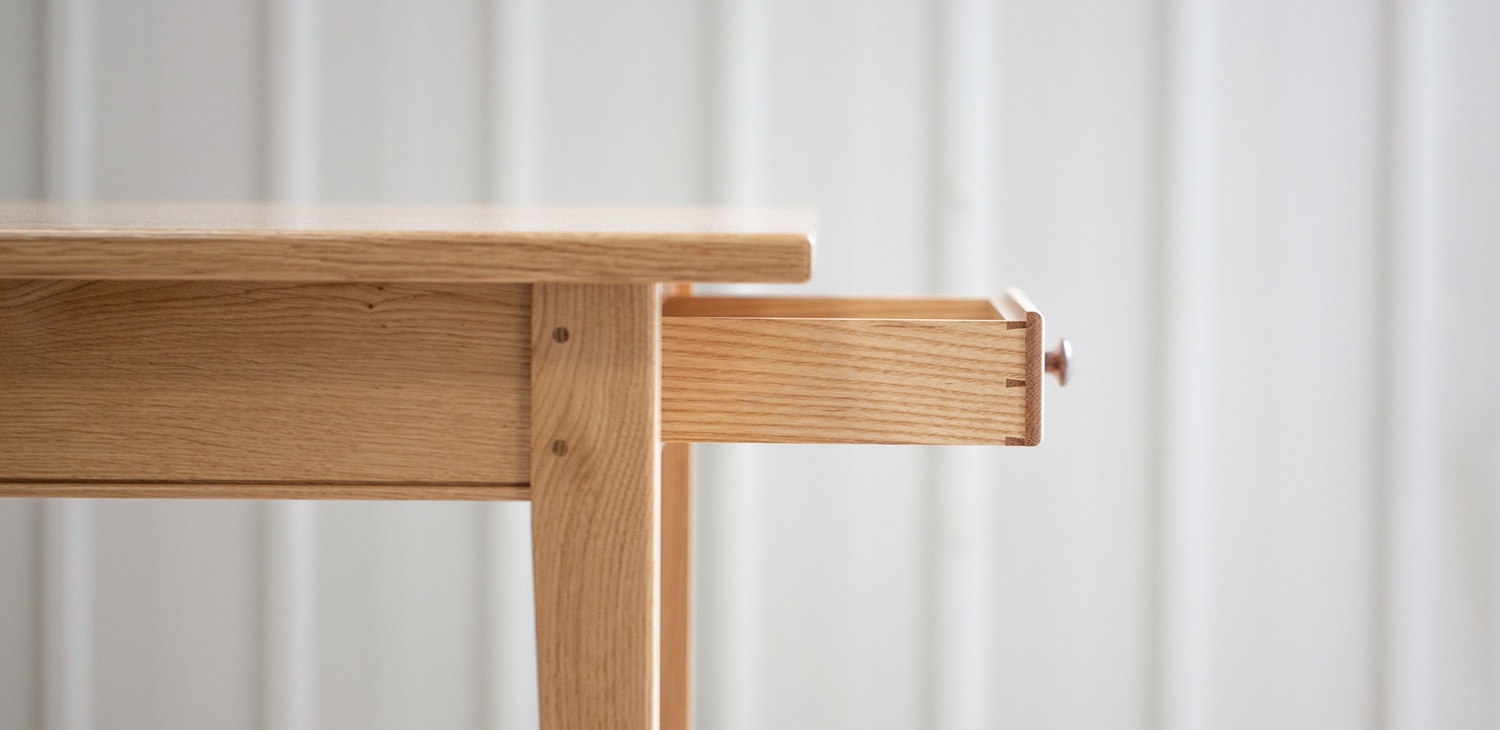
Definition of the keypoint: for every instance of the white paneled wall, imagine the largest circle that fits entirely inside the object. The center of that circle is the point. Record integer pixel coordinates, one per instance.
(1073, 523)
(1282, 500)
(1271, 498)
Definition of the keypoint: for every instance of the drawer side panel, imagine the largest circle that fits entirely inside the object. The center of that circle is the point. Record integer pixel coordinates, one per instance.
(771, 380)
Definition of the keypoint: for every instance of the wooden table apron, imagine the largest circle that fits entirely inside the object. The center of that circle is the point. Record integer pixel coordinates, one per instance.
(273, 352)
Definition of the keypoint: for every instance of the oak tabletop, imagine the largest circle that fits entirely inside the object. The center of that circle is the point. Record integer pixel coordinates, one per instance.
(451, 244)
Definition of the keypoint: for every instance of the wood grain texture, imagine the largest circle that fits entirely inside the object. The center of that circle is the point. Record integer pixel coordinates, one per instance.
(676, 571)
(238, 382)
(677, 587)
(801, 380)
(264, 242)
(1036, 359)
(263, 490)
(596, 501)
(832, 307)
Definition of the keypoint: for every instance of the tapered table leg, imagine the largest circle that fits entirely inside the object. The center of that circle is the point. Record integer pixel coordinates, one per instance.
(596, 503)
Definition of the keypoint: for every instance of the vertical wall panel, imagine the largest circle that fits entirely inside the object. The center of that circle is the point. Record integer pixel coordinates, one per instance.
(1185, 307)
(729, 648)
(177, 100)
(847, 129)
(622, 102)
(20, 98)
(426, 620)
(840, 556)
(1071, 521)
(513, 76)
(69, 654)
(509, 695)
(1287, 459)
(1466, 676)
(398, 622)
(288, 599)
(20, 645)
(68, 123)
(1412, 595)
(175, 607)
(401, 94)
(349, 650)
(1445, 515)
(291, 103)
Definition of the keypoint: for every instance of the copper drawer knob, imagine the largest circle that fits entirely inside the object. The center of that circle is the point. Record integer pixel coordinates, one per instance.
(1060, 360)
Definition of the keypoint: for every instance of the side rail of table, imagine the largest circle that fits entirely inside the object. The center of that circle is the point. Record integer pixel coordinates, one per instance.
(265, 390)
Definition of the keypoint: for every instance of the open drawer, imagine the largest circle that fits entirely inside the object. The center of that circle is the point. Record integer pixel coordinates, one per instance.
(860, 371)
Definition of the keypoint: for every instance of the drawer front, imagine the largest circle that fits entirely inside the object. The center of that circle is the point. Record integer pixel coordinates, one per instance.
(859, 371)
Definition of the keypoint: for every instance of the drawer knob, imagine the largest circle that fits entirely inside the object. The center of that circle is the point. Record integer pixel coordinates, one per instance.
(1060, 360)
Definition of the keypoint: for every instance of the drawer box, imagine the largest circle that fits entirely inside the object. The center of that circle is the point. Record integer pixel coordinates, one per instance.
(861, 371)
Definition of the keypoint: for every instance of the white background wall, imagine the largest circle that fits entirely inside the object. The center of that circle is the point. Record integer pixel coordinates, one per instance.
(1272, 228)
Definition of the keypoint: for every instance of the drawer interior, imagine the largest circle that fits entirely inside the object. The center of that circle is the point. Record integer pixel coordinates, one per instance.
(851, 370)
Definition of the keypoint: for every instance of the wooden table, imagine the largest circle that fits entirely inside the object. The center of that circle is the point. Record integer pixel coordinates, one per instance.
(276, 352)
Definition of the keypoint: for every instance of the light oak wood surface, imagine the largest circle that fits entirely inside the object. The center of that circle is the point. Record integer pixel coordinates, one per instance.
(596, 503)
(677, 587)
(1019, 305)
(677, 574)
(832, 307)
(258, 382)
(843, 380)
(268, 242)
(268, 490)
